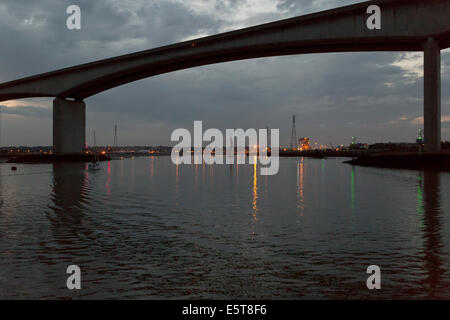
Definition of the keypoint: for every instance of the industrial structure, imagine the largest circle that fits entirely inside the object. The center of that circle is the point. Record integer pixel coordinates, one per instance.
(294, 145)
(304, 144)
(116, 142)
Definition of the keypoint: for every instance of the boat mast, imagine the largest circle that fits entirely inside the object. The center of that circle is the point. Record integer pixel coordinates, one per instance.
(95, 148)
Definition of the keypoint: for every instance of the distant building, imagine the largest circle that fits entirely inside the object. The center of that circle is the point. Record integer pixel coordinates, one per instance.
(304, 144)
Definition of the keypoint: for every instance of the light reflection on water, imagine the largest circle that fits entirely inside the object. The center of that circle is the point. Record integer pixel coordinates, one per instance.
(145, 228)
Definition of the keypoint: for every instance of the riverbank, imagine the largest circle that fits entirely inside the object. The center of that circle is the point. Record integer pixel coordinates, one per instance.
(409, 161)
(321, 154)
(53, 158)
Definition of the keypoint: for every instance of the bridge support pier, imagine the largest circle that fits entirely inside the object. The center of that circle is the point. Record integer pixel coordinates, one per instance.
(69, 126)
(432, 96)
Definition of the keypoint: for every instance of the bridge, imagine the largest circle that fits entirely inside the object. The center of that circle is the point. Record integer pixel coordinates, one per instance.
(406, 25)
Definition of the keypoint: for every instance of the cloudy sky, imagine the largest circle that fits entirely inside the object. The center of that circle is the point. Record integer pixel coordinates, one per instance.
(373, 96)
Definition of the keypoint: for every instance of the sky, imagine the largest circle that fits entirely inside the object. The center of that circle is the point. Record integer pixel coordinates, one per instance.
(375, 96)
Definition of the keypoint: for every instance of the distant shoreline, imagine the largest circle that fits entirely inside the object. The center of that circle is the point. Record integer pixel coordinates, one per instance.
(429, 162)
(391, 160)
(52, 158)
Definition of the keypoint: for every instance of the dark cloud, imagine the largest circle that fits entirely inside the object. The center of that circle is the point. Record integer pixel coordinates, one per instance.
(298, 7)
(334, 96)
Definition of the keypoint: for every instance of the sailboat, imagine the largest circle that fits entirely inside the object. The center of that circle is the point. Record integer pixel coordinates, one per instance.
(95, 165)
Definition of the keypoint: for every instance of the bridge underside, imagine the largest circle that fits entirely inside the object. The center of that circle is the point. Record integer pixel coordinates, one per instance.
(407, 25)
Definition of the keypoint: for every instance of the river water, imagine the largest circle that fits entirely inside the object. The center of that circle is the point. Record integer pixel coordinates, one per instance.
(145, 228)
